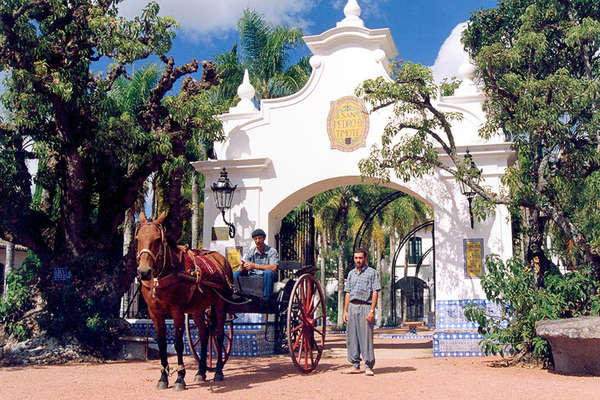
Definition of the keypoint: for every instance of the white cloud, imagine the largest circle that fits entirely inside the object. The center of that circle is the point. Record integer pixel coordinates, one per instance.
(451, 55)
(218, 17)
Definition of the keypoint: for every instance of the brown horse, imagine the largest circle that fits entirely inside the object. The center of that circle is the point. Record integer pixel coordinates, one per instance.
(170, 288)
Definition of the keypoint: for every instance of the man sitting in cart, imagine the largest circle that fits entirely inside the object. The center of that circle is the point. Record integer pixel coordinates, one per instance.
(261, 262)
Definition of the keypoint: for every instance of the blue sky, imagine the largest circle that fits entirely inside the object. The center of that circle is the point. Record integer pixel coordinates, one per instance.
(207, 27)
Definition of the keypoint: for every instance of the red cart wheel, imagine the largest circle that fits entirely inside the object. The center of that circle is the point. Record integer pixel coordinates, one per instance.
(306, 323)
(194, 339)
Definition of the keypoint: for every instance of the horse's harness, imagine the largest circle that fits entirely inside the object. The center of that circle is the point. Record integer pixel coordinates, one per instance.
(169, 279)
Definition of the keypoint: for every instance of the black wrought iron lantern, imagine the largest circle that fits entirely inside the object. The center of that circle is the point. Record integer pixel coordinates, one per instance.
(472, 176)
(223, 191)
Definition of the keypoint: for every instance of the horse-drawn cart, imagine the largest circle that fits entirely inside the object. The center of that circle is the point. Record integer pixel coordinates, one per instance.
(298, 324)
(178, 281)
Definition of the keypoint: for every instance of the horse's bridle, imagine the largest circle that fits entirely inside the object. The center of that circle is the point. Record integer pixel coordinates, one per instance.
(150, 253)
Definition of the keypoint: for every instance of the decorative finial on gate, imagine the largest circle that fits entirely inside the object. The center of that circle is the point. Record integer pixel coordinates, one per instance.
(466, 73)
(246, 92)
(352, 13)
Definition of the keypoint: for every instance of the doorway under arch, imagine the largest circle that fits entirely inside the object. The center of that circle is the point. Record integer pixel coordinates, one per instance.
(296, 237)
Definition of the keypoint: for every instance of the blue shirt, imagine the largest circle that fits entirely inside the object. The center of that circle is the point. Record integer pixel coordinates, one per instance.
(268, 257)
(361, 286)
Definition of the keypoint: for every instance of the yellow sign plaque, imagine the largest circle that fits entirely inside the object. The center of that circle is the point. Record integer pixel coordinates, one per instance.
(347, 124)
(234, 256)
(473, 257)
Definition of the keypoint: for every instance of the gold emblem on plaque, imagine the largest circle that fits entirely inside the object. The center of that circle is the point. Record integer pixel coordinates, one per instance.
(473, 257)
(347, 124)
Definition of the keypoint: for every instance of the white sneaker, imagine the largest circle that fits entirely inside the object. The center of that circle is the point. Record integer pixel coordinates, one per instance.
(369, 372)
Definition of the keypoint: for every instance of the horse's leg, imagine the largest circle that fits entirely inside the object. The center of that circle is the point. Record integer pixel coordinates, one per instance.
(161, 338)
(203, 337)
(219, 311)
(178, 321)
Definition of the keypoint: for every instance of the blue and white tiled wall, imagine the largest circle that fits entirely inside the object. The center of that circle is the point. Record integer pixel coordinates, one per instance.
(454, 335)
(248, 338)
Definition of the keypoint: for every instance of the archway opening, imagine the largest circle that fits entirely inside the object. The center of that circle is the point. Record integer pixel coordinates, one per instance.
(325, 227)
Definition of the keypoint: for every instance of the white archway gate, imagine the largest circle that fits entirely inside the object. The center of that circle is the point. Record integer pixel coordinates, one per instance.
(298, 146)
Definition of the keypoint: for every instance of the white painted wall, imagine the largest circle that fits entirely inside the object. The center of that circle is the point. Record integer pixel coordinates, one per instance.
(280, 156)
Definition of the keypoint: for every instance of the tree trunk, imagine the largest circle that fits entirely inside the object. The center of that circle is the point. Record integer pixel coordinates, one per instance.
(390, 289)
(128, 230)
(340, 314)
(344, 203)
(155, 196)
(379, 310)
(535, 255)
(195, 211)
(322, 262)
(8, 264)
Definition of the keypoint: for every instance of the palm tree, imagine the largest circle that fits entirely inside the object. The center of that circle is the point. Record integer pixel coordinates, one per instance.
(266, 51)
(128, 97)
(232, 73)
(339, 213)
(400, 216)
(332, 208)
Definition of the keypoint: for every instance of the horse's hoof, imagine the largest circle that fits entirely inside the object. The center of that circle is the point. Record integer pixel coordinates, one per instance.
(218, 378)
(179, 386)
(162, 385)
(199, 378)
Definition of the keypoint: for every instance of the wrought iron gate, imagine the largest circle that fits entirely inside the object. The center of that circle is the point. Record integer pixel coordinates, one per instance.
(296, 238)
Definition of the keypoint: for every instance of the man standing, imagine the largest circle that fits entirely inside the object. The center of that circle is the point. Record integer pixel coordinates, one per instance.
(362, 290)
(261, 261)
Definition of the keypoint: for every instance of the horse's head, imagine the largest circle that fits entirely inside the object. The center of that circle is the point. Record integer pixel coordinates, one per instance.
(151, 246)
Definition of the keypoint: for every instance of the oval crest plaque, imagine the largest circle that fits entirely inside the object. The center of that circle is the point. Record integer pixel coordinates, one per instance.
(347, 124)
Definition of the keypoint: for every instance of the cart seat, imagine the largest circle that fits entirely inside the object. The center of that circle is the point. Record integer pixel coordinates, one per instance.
(253, 285)
(250, 285)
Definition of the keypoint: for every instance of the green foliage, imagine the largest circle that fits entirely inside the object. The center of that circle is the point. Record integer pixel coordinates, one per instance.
(19, 297)
(539, 66)
(411, 140)
(539, 63)
(511, 330)
(332, 308)
(98, 136)
(83, 307)
(447, 87)
(266, 51)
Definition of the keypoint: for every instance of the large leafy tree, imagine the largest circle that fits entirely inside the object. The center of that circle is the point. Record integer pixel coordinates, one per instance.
(538, 61)
(94, 150)
(540, 65)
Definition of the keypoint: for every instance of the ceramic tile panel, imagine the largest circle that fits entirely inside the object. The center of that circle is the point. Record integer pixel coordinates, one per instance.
(457, 344)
